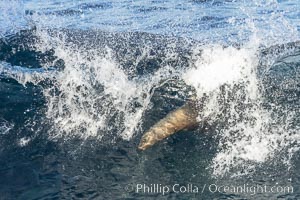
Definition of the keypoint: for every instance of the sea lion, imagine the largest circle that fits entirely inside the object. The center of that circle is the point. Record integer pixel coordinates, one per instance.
(185, 117)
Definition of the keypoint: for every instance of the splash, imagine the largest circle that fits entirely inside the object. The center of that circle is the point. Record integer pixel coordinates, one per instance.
(250, 129)
(218, 66)
(249, 132)
(93, 96)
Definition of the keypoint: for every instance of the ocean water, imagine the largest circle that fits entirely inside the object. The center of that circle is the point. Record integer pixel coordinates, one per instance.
(81, 81)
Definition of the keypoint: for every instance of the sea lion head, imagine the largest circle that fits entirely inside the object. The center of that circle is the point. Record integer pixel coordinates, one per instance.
(147, 141)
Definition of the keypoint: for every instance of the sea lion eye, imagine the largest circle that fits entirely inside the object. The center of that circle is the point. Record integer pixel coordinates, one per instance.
(144, 140)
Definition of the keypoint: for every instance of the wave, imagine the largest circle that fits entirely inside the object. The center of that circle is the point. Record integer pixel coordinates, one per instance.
(106, 85)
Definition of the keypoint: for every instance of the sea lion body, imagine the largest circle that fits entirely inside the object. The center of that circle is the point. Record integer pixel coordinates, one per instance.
(182, 118)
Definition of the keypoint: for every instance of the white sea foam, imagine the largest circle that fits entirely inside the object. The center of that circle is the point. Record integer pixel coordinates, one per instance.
(25, 75)
(5, 126)
(217, 66)
(24, 141)
(93, 96)
(249, 132)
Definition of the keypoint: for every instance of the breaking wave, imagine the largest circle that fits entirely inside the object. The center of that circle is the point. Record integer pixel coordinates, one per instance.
(101, 84)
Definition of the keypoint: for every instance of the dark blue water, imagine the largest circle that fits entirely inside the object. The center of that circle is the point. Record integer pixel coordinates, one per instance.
(81, 81)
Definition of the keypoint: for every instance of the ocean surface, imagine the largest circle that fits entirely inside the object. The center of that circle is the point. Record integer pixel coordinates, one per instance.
(81, 81)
